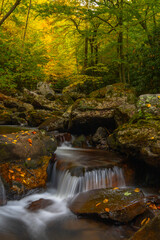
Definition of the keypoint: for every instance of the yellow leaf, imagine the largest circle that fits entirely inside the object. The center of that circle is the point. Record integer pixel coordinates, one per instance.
(137, 190)
(98, 204)
(152, 138)
(105, 201)
(107, 209)
(6, 143)
(13, 177)
(148, 105)
(115, 188)
(22, 175)
(4, 135)
(159, 97)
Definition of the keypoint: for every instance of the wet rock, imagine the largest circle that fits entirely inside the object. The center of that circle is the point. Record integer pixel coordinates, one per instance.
(39, 204)
(149, 231)
(121, 205)
(20, 180)
(24, 145)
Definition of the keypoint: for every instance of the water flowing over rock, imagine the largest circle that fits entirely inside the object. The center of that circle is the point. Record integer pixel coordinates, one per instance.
(120, 205)
(68, 185)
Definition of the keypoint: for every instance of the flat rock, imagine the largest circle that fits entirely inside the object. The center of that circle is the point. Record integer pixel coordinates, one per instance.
(39, 204)
(121, 205)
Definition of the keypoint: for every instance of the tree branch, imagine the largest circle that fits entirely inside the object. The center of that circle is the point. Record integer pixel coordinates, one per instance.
(10, 11)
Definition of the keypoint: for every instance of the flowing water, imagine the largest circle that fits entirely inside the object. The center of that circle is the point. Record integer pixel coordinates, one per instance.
(56, 221)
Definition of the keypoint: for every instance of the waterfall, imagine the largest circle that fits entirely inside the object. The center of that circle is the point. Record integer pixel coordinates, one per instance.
(67, 185)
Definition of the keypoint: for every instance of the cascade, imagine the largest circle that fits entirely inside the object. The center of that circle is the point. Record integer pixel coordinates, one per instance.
(67, 185)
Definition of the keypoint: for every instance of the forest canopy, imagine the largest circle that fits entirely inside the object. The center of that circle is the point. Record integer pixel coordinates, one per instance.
(55, 41)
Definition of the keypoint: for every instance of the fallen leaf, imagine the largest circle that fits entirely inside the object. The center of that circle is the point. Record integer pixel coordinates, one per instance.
(28, 159)
(153, 206)
(127, 193)
(148, 105)
(137, 190)
(4, 135)
(107, 209)
(143, 221)
(105, 200)
(13, 177)
(30, 140)
(115, 188)
(11, 171)
(98, 204)
(6, 143)
(34, 132)
(22, 175)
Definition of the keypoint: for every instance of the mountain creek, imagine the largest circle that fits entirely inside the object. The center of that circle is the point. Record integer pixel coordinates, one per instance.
(79, 166)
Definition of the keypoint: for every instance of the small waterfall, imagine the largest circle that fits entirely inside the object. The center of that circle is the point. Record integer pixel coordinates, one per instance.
(67, 185)
(2, 194)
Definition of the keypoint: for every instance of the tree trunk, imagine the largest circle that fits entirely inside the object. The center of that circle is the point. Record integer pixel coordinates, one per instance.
(121, 46)
(10, 11)
(25, 30)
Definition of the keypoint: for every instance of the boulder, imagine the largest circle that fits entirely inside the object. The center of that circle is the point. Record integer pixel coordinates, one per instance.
(140, 140)
(80, 141)
(54, 123)
(3, 200)
(149, 104)
(44, 89)
(149, 231)
(38, 116)
(100, 138)
(25, 144)
(39, 101)
(117, 107)
(121, 205)
(39, 204)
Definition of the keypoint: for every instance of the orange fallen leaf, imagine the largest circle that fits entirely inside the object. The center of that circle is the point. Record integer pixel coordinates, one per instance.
(22, 175)
(105, 200)
(137, 190)
(30, 140)
(153, 206)
(11, 171)
(115, 188)
(4, 135)
(34, 132)
(98, 204)
(107, 209)
(145, 221)
(28, 159)
(13, 177)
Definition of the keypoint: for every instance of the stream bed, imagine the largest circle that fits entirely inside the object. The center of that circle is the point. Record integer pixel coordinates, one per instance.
(55, 221)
